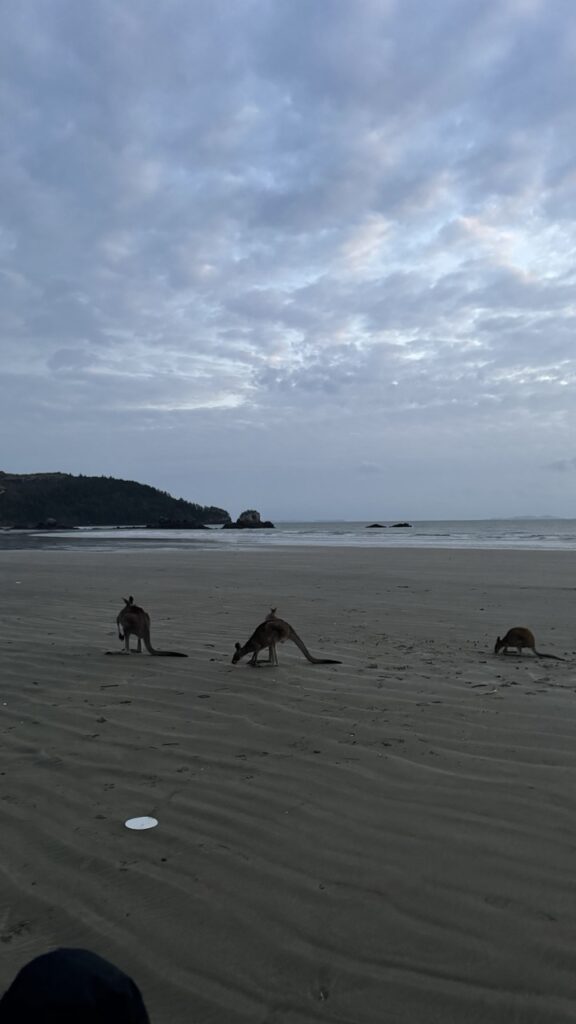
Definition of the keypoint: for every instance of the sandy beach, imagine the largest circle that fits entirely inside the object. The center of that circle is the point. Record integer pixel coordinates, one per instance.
(390, 839)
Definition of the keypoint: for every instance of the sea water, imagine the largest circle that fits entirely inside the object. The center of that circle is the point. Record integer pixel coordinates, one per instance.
(536, 533)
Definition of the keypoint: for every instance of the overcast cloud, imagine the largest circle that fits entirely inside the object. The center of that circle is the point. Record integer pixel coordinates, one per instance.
(316, 257)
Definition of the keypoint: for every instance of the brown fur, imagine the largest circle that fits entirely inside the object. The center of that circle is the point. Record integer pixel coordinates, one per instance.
(520, 637)
(268, 634)
(133, 620)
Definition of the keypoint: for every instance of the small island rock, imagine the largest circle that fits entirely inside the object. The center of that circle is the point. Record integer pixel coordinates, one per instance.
(52, 524)
(249, 520)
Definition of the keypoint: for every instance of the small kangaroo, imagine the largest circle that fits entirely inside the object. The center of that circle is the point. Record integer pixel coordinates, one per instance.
(520, 637)
(269, 633)
(134, 620)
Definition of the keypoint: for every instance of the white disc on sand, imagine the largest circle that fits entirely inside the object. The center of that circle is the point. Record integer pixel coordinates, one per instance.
(140, 823)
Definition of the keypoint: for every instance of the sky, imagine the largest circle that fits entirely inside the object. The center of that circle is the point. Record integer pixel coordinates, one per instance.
(314, 257)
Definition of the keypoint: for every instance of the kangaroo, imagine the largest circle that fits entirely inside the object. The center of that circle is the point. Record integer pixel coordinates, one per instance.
(133, 619)
(520, 637)
(269, 633)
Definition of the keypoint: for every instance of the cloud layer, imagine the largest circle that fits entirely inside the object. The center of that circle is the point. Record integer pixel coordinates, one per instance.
(316, 257)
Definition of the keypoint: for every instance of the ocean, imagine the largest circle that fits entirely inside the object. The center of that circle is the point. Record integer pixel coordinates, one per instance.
(530, 534)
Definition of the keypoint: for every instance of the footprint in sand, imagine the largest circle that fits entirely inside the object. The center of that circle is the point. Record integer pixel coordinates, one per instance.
(10, 932)
(516, 906)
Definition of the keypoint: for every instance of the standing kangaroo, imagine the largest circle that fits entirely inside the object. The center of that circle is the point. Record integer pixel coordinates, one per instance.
(520, 637)
(269, 633)
(134, 620)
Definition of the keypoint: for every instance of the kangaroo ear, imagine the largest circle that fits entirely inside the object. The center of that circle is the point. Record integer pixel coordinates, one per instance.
(237, 646)
(497, 639)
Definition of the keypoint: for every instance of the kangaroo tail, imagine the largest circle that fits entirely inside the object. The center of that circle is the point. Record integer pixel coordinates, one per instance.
(315, 661)
(159, 654)
(167, 654)
(554, 656)
(147, 641)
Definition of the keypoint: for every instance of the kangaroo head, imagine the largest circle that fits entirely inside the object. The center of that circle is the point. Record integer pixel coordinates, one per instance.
(497, 645)
(271, 614)
(237, 653)
(128, 601)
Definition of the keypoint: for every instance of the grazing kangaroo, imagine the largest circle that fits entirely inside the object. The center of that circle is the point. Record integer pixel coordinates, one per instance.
(520, 637)
(134, 620)
(269, 633)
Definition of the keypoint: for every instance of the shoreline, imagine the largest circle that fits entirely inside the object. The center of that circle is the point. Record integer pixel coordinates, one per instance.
(443, 535)
(185, 546)
(394, 831)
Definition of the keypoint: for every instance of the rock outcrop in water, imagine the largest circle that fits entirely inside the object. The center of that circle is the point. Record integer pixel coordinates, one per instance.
(250, 520)
(382, 526)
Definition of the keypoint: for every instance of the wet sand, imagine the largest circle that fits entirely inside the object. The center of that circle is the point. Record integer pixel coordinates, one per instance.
(390, 839)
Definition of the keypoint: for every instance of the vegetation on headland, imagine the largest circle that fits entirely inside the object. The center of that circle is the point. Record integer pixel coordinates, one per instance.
(32, 500)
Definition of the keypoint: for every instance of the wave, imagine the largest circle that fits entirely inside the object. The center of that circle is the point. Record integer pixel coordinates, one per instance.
(478, 534)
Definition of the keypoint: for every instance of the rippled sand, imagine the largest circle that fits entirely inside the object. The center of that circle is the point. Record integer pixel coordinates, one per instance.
(392, 839)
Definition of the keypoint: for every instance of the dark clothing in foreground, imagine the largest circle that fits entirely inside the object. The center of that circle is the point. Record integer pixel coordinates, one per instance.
(72, 986)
